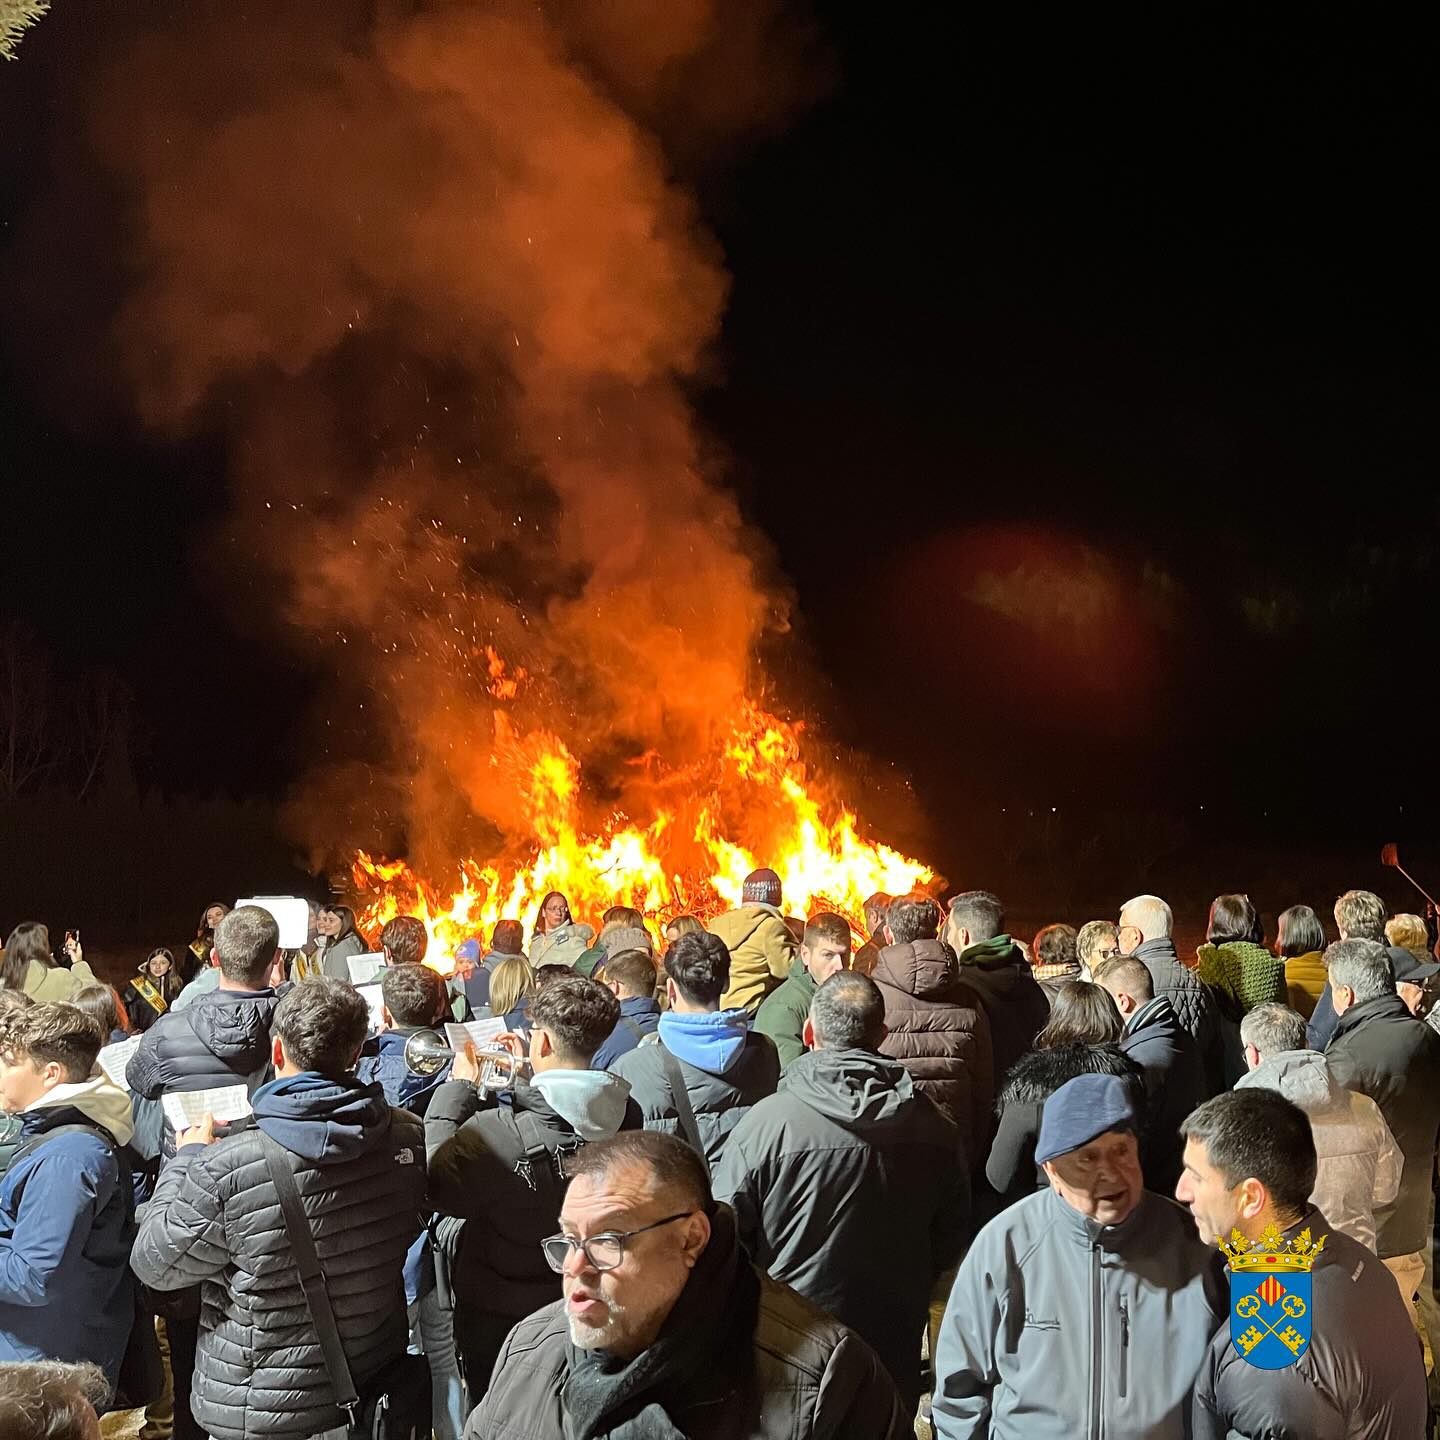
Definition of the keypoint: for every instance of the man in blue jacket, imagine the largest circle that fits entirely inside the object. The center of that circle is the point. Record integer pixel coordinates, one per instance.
(630, 977)
(66, 1214)
(415, 999)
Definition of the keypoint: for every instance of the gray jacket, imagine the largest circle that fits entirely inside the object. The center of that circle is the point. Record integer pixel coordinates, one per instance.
(1059, 1328)
(1359, 1164)
(1362, 1377)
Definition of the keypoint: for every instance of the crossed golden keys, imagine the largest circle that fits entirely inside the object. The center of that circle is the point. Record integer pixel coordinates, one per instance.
(1247, 1307)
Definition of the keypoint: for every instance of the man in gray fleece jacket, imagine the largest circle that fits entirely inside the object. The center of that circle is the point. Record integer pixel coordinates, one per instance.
(1085, 1309)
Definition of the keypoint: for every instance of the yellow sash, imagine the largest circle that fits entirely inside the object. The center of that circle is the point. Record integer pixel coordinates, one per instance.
(150, 995)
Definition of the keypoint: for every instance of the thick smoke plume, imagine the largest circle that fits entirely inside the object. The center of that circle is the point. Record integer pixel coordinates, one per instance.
(429, 269)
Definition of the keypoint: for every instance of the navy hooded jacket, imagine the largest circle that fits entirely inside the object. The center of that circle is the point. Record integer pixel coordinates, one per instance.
(387, 1065)
(66, 1227)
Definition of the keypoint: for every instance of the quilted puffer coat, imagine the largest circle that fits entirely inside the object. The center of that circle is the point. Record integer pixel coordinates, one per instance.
(938, 1030)
(215, 1220)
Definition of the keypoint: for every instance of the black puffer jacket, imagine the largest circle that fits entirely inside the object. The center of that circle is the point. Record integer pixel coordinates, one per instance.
(222, 1039)
(1011, 1169)
(478, 1174)
(997, 971)
(740, 1357)
(1194, 1005)
(1381, 1050)
(215, 1220)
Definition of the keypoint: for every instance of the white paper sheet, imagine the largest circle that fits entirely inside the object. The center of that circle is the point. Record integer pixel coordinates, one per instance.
(376, 1001)
(115, 1059)
(184, 1108)
(292, 915)
(481, 1032)
(365, 968)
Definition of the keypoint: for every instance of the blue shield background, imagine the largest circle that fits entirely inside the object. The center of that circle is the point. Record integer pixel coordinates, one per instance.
(1270, 1337)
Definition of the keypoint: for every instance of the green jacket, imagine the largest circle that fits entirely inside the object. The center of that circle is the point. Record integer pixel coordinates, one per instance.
(783, 1013)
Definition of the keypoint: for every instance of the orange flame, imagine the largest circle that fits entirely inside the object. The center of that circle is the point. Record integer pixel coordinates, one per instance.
(753, 807)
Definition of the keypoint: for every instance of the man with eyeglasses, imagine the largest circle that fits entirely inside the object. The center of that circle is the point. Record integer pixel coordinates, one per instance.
(666, 1328)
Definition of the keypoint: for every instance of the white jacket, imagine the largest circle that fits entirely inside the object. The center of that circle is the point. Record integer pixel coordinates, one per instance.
(1359, 1162)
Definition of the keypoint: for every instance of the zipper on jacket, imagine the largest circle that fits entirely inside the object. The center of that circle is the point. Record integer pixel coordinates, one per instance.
(1097, 1351)
(1124, 1344)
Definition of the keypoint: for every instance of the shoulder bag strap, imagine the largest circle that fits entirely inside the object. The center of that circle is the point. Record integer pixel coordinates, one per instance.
(312, 1278)
(681, 1096)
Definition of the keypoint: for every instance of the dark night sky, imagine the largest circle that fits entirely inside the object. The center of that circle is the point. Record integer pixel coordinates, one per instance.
(1076, 377)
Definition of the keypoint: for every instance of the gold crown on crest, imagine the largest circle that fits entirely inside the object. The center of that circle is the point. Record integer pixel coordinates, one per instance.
(1271, 1251)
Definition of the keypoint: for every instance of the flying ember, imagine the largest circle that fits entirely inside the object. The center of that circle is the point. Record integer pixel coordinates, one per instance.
(754, 802)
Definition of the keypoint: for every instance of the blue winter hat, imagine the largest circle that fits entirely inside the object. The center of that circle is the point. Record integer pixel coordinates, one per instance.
(1081, 1109)
(468, 950)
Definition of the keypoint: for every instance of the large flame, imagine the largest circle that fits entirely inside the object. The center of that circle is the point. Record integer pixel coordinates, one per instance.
(754, 803)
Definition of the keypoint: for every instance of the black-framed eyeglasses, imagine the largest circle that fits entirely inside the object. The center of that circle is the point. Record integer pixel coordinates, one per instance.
(604, 1251)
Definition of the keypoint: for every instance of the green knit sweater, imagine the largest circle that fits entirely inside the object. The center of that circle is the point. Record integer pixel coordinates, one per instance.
(1248, 974)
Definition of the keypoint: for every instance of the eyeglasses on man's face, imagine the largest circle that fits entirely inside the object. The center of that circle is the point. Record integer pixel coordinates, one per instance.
(604, 1251)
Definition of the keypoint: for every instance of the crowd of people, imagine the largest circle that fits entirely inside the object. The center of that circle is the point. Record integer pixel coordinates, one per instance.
(760, 1176)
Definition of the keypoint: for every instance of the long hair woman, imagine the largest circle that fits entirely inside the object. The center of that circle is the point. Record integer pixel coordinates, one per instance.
(30, 966)
(558, 938)
(1081, 1038)
(1234, 960)
(197, 952)
(153, 991)
(511, 987)
(336, 927)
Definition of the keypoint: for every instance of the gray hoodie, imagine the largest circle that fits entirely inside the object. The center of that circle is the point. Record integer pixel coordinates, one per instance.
(1060, 1328)
(1359, 1164)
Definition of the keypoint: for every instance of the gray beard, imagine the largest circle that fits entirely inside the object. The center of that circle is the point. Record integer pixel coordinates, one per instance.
(596, 1337)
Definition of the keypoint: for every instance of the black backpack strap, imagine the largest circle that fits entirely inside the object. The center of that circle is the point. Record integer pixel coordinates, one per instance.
(79, 1128)
(539, 1158)
(676, 1079)
(312, 1278)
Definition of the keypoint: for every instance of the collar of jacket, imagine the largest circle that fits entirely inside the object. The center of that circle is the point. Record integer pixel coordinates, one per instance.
(1092, 1234)
(1055, 972)
(1162, 947)
(997, 950)
(1380, 1007)
(1150, 1013)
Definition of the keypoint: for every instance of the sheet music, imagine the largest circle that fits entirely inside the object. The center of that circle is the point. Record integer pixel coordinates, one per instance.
(184, 1108)
(365, 968)
(481, 1032)
(114, 1059)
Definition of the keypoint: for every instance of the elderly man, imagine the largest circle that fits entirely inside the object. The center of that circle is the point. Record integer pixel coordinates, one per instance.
(667, 1329)
(1381, 1050)
(1146, 926)
(1357, 1163)
(1084, 1309)
(849, 1184)
(1359, 915)
(1250, 1168)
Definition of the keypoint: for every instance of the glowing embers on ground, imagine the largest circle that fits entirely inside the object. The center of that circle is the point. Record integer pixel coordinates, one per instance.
(751, 804)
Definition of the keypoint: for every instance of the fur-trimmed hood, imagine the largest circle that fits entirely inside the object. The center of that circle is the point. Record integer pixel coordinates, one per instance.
(1038, 1074)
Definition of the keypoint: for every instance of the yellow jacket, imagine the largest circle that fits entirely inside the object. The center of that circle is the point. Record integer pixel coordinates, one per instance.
(1304, 980)
(762, 950)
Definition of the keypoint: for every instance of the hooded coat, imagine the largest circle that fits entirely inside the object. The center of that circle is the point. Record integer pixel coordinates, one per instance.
(477, 1174)
(1358, 1164)
(783, 1013)
(562, 945)
(1381, 1050)
(639, 1017)
(215, 1220)
(998, 972)
(386, 1063)
(849, 1186)
(726, 1067)
(1194, 1005)
(1011, 1168)
(1174, 1086)
(66, 1226)
(1361, 1378)
(939, 1031)
(738, 1358)
(1060, 1327)
(222, 1039)
(762, 950)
